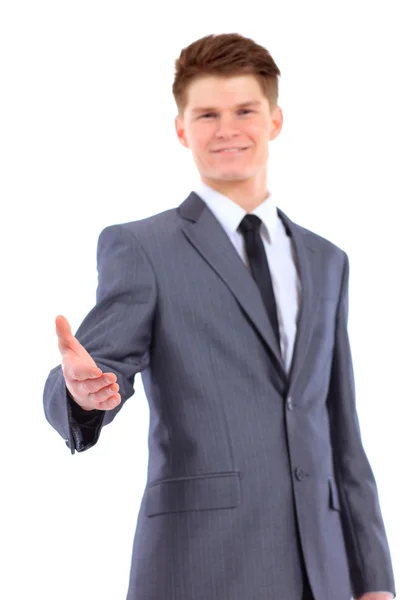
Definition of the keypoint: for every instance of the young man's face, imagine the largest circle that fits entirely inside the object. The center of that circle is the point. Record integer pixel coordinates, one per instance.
(227, 124)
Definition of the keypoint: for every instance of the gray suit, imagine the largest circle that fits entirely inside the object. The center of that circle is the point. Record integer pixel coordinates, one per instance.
(239, 452)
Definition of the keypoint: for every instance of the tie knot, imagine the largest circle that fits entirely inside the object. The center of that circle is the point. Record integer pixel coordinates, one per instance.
(250, 223)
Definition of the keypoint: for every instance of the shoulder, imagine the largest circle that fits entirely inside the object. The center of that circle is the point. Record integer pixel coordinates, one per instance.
(144, 230)
(316, 242)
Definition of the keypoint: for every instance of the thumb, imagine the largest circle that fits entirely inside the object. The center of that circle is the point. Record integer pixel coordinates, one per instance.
(66, 341)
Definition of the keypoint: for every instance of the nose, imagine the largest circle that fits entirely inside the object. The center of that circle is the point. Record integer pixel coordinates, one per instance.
(227, 127)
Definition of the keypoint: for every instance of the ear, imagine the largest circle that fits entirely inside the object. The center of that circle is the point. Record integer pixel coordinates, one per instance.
(276, 123)
(180, 131)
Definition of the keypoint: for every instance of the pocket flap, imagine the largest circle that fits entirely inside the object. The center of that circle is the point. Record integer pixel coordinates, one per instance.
(204, 492)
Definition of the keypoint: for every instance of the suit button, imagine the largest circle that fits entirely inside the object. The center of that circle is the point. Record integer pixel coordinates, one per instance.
(290, 404)
(300, 474)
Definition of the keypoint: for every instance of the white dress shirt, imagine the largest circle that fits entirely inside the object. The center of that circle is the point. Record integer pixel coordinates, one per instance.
(279, 253)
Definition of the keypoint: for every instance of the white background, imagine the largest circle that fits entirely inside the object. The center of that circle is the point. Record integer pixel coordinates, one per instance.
(87, 140)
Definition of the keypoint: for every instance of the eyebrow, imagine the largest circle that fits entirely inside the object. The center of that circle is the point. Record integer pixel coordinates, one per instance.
(212, 108)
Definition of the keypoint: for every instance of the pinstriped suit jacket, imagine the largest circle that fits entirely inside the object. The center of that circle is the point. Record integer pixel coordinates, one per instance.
(237, 447)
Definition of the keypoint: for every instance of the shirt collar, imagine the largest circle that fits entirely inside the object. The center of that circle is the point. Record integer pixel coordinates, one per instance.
(230, 214)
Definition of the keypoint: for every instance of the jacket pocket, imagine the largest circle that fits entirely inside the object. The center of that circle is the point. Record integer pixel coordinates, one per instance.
(334, 495)
(204, 492)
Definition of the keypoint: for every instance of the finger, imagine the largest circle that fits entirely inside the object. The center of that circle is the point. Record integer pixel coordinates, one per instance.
(93, 386)
(104, 394)
(98, 389)
(110, 403)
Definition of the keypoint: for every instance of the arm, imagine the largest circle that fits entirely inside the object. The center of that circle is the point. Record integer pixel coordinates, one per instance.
(365, 537)
(116, 333)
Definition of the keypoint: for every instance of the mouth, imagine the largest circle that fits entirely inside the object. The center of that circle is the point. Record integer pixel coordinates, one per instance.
(230, 151)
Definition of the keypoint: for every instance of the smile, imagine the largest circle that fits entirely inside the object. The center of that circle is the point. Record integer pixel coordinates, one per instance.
(230, 151)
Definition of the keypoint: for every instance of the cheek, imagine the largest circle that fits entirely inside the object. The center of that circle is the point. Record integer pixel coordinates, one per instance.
(258, 133)
(261, 140)
(202, 143)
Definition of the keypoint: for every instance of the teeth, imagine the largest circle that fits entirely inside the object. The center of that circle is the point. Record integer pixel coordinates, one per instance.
(232, 150)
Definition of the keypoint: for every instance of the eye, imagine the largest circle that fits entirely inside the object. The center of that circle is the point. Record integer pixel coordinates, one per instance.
(213, 114)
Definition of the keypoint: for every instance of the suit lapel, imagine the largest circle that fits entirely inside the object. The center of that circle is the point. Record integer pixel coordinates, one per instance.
(208, 237)
(310, 270)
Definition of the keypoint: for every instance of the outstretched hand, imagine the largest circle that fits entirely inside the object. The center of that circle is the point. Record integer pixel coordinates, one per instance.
(88, 385)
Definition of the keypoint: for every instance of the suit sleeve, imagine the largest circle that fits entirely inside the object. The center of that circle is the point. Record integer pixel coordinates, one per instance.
(117, 333)
(364, 533)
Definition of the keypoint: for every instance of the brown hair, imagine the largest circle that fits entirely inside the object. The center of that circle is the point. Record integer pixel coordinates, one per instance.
(224, 55)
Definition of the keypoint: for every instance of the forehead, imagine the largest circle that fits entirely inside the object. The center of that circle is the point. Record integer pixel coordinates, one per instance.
(209, 91)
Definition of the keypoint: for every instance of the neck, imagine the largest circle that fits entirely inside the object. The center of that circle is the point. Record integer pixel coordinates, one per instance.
(247, 194)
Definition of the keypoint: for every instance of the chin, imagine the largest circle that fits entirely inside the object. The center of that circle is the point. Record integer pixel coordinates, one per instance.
(234, 175)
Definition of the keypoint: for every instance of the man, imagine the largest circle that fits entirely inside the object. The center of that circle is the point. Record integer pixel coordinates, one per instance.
(258, 484)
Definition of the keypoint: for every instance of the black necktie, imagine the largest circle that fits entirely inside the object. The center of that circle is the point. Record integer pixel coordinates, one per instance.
(258, 263)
